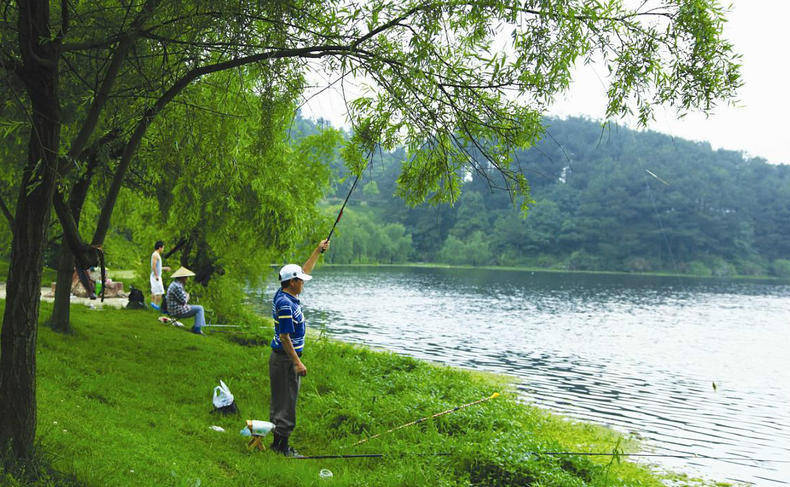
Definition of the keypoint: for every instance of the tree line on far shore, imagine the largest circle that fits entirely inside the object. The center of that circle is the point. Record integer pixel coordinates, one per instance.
(604, 198)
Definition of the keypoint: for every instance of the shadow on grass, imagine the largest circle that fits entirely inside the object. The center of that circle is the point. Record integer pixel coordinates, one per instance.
(36, 471)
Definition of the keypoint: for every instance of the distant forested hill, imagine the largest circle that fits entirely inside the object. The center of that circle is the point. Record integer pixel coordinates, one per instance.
(604, 199)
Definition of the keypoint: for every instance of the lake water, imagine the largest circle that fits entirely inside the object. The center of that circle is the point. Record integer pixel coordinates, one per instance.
(639, 354)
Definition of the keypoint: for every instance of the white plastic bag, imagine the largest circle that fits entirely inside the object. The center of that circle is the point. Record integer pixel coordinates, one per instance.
(222, 396)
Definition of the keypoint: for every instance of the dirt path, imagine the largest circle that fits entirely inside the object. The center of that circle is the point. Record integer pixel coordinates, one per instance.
(47, 295)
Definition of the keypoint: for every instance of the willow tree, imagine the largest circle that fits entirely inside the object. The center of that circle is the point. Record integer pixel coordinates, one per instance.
(446, 77)
(210, 178)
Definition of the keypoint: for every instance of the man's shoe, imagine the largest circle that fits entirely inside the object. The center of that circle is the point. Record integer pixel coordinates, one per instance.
(198, 331)
(286, 450)
(290, 453)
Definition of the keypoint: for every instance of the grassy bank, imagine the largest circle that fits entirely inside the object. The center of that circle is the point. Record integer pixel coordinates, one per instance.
(125, 400)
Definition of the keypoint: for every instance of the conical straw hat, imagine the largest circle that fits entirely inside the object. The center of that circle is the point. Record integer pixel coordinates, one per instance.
(182, 272)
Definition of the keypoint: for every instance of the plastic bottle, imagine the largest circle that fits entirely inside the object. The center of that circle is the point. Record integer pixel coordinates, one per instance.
(258, 427)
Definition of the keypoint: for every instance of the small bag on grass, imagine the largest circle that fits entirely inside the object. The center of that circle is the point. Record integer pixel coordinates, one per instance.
(223, 400)
(136, 299)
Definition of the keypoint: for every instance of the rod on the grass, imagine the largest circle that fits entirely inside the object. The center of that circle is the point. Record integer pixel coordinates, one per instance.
(428, 417)
(551, 453)
(223, 328)
(371, 455)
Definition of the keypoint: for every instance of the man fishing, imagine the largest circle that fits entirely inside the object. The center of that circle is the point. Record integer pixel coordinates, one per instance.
(286, 368)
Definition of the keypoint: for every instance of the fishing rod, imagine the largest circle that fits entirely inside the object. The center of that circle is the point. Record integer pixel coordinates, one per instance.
(550, 453)
(372, 455)
(496, 394)
(340, 214)
(657, 455)
(223, 328)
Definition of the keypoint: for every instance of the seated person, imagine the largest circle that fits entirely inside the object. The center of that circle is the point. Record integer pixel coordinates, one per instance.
(177, 299)
(110, 288)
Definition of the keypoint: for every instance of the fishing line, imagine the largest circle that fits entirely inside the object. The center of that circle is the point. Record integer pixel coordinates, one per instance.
(451, 410)
(658, 217)
(538, 453)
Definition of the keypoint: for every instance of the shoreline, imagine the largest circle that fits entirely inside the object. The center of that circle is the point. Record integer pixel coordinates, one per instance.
(433, 265)
(408, 388)
(490, 442)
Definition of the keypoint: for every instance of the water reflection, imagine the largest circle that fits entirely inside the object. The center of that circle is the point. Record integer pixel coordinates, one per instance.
(636, 353)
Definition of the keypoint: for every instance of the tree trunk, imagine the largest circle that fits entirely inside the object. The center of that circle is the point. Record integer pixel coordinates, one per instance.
(39, 72)
(59, 321)
(23, 291)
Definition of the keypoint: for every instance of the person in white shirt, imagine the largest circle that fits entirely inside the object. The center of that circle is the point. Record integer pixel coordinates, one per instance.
(157, 286)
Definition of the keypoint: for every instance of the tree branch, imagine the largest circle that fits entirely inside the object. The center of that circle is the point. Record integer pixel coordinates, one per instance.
(64, 20)
(142, 126)
(7, 214)
(391, 23)
(69, 216)
(71, 233)
(103, 94)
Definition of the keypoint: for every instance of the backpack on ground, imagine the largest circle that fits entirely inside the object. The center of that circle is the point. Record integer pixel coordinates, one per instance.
(136, 299)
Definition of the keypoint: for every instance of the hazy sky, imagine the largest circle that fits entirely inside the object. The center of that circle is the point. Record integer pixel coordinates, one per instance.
(756, 125)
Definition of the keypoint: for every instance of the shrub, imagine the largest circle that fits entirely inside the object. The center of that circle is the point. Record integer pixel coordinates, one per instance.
(751, 267)
(582, 261)
(721, 268)
(638, 264)
(781, 267)
(698, 268)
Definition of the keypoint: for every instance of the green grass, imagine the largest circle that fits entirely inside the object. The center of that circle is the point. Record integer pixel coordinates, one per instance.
(125, 400)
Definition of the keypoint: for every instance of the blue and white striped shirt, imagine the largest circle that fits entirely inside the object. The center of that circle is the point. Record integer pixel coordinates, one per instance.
(288, 318)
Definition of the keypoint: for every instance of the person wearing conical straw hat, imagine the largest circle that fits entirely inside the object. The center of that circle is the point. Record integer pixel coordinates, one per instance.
(286, 368)
(177, 299)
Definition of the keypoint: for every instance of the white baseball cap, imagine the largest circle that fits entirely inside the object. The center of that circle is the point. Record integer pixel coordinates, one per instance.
(289, 271)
